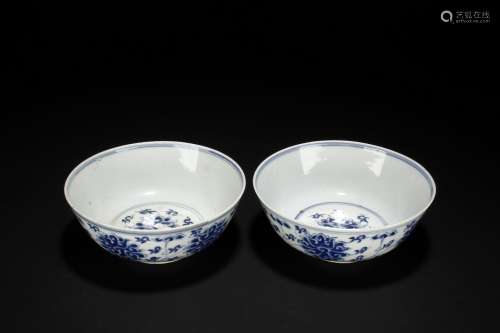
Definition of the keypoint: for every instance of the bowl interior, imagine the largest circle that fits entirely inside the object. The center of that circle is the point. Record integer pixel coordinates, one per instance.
(343, 185)
(155, 186)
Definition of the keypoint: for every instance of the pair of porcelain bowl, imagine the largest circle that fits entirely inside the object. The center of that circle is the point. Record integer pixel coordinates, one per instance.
(339, 201)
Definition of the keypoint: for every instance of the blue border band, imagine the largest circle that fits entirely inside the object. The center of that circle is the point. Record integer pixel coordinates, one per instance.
(390, 153)
(135, 146)
(155, 144)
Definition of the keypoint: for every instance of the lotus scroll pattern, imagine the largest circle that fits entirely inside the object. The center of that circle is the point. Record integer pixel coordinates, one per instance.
(345, 247)
(157, 248)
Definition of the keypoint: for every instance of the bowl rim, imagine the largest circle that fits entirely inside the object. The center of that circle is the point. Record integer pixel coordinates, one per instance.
(148, 144)
(353, 144)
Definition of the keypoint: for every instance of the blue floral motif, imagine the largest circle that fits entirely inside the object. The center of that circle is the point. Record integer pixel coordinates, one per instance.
(382, 237)
(331, 247)
(120, 247)
(361, 250)
(357, 238)
(127, 219)
(203, 238)
(388, 244)
(300, 230)
(362, 218)
(329, 220)
(172, 212)
(142, 239)
(408, 230)
(169, 222)
(169, 238)
(93, 227)
(279, 221)
(158, 259)
(156, 249)
(324, 247)
(174, 249)
(147, 211)
(142, 226)
(153, 218)
(163, 247)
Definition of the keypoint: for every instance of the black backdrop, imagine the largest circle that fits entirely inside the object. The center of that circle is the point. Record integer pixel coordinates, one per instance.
(249, 79)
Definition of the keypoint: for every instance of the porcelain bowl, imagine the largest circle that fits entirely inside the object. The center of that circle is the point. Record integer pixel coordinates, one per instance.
(155, 202)
(343, 201)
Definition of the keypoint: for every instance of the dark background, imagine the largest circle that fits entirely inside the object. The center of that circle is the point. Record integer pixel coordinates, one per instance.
(249, 79)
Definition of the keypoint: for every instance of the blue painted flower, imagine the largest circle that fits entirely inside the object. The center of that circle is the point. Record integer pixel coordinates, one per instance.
(187, 221)
(93, 227)
(120, 247)
(362, 218)
(172, 212)
(324, 247)
(174, 249)
(388, 244)
(300, 230)
(408, 230)
(326, 220)
(203, 238)
(142, 226)
(156, 249)
(361, 250)
(384, 235)
(127, 219)
(147, 211)
(279, 221)
(142, 239)
(160, 259)
(350, 224)
(357, 238)
(169, 222)
(169, 238)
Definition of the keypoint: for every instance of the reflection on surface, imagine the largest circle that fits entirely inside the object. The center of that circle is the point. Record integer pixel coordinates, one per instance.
(376, 165)
(309, 157)
(149, 193)
(189, 159)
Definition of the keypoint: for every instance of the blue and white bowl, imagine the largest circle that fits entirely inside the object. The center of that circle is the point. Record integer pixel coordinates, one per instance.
(155, 202)
(343, 201)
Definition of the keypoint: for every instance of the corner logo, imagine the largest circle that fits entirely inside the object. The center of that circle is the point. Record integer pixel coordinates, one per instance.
(466, 16)
(446, 16)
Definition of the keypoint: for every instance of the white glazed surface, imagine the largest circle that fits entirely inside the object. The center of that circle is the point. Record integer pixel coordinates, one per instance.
(343, 201)
(155, 202)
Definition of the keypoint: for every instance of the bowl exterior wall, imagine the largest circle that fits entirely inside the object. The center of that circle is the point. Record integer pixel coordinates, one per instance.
(341, 247)
(157, 248)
